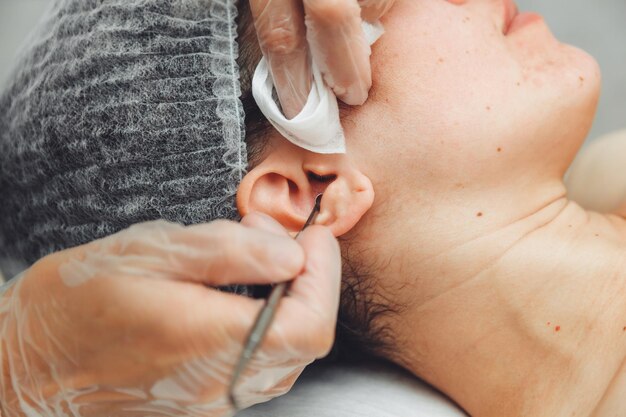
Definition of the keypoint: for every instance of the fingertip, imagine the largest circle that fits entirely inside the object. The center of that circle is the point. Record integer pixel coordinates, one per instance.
(314, 294)
(353, 96)
(351, 76)
(329, 12)
(321, 246)
(262, 221)
(373, 10)
(357, 92)
(317, 233)
(254, 256)
(317, 290)
(289, 259)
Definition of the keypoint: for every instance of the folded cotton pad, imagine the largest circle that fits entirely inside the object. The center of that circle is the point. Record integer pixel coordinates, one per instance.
(317, 127)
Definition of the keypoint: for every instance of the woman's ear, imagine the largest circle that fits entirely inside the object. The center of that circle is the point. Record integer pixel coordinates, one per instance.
(285, 184)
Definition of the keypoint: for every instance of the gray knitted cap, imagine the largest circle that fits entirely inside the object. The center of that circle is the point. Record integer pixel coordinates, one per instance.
(121, 111)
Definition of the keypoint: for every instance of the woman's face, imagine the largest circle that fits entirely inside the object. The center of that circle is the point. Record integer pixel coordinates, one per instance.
(461, 96)
(469, 128)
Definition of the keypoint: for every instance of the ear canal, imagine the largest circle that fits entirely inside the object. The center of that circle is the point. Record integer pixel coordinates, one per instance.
(319, 183)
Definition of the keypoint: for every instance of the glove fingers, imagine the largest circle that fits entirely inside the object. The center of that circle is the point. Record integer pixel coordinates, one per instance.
(373, 10)
(218, 253)
(225, 253)
(282, 36)
(339, 47)
(307, 317)
(261, 221)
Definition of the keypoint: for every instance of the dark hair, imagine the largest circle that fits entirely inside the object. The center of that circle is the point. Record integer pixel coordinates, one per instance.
(359, 332)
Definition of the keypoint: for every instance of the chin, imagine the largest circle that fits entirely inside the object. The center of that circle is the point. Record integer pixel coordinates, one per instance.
(554, 63)
(584, 80)
(574, 81)
(586, 65)
(574, 100)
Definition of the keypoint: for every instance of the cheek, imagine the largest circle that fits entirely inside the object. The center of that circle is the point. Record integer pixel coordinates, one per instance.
(444, 76)
(449, 87)
(443, 62)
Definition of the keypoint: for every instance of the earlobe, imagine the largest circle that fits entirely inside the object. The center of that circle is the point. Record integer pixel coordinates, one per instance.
(285, 184)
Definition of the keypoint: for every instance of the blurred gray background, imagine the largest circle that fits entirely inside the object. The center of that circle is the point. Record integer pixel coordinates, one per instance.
(598, 26)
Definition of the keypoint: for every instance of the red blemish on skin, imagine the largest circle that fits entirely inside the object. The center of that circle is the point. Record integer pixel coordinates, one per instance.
(549, 323)
(441, 60)
(557, 329)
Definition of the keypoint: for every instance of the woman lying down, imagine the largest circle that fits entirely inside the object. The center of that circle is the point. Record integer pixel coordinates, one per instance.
(470, 268)
(464, 261)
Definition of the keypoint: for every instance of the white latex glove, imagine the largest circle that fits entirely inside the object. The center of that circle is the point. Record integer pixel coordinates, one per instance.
(291, 32)
(126, 326)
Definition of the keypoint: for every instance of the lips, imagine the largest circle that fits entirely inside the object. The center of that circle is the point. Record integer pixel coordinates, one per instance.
(510, 13)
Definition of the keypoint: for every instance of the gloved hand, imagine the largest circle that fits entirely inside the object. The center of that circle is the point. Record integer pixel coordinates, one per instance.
(124, 326)
(290, 32)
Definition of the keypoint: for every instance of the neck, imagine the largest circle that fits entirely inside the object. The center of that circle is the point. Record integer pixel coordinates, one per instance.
(529, 321)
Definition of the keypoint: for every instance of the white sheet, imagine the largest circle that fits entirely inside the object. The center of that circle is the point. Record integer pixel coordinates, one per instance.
(372, 390)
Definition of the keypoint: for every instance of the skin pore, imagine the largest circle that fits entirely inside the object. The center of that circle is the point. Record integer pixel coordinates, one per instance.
(512, 299)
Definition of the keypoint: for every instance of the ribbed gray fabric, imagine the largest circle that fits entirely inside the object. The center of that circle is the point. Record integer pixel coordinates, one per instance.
(121, 111)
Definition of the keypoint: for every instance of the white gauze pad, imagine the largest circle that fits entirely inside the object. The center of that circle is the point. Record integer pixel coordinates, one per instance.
(317, 127)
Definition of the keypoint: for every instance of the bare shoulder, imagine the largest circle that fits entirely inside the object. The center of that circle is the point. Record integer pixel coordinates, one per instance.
(614, 403)
(597, 178)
